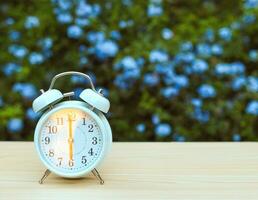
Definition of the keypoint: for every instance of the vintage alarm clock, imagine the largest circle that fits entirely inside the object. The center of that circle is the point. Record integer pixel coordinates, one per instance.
(72, 137)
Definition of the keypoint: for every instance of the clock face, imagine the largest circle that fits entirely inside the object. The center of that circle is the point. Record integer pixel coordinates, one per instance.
(70, 140)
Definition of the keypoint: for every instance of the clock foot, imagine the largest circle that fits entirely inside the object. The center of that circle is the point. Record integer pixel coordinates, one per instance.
(97, 175)
(45, 175)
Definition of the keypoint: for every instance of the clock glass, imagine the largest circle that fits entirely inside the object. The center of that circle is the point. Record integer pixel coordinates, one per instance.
(70, 140)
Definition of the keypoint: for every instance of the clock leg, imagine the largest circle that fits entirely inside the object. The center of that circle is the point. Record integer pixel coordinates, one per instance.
(97, 175)
(45, 175)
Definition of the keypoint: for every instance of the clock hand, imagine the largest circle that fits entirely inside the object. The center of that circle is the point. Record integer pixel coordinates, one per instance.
(70, 138)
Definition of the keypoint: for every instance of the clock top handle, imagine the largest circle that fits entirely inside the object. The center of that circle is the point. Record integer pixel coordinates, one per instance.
(71, 73)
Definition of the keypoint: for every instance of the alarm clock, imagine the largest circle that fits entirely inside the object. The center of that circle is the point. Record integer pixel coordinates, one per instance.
(72, 137)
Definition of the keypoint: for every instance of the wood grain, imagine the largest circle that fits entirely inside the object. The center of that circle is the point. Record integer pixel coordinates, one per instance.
(139, 171)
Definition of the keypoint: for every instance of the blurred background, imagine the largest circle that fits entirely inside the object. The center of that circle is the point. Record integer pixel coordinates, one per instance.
(174, 70)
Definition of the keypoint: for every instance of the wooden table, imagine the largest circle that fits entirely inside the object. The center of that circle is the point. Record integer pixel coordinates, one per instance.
(139, 171)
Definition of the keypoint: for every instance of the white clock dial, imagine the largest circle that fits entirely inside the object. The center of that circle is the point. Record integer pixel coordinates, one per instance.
(70, 140)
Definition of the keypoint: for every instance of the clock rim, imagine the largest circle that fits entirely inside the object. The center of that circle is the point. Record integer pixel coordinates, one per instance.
(76, 105)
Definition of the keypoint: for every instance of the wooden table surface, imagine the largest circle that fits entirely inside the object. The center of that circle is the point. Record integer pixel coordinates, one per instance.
(139, 171)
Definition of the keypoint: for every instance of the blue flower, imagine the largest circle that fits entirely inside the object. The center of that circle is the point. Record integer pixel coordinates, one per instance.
(30, 114)
(199, 66)
(127, 63)
(252, 108)
(36, 58)
(216, 49)
(204, 49)
(74, 32)
(83, 9)
(196, 102)
(82, 22)
(77, 92)
(115, 35)
(151, 79)
(230, 68)
(64, 18)
(95, 37)
(169, 92)
(238, 82)
(154, 10)
(1, 101)
(106, 48)
(141, 128)
(181, 81)
(167, 33)
(46, 43)
(11, 68)
(155, 119)
(206, 91)
(14, 35)
(253, 55)
(236, 137)
(31, 22)
(18, 50)
(249, 19)
(15, 125)
(178, 138)
(186, 46)
(65, 4)
(158, 56)
(163, 130)
(250, 4)
(96, 9)
(27, 90)
(9, 21)
(225, 33)
(201, 116)
(209, 35)
(83, 61)
(252, 83)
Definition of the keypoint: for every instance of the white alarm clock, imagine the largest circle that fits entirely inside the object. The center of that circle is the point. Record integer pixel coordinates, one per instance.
(72, 137)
